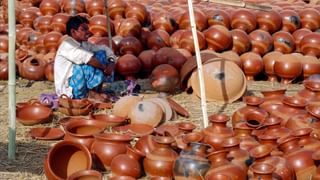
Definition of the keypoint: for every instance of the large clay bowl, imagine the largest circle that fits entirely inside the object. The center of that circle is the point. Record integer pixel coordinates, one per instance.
(135, 130)
(32, 114)
(86, 174)
(66, 158)
(111, 119)
(46, 133)
(67, 102)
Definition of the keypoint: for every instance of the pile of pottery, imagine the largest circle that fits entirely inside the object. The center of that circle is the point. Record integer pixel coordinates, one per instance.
(149, 33)
(275, 136)
(74, 107)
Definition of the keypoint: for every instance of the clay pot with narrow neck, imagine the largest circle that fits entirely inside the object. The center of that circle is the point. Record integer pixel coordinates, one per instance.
(290, 20)
(136, 10)
(165, 22)
(22, 37)
(146, 58)
(288, 67)
(269, 21)
(94, 7)
(171, 56)
(310, 18)
(59, 22)
(106, 146)
(116, 9)
(3, 68)
(4, 44)
(200, 20)
(243, 19)
(283, 42)
(218, 17)
(157, 39)
(268, 61)
(51, 41)
(73, 7)
(306, 140)
(32, 69)
(310, 66)
(252, 64)
(186, 41)
(261, 41)
(175, 38)
(128, 65)
(49, 7)
(27, 17)
(130, 45)
(218, 38)
(308, 44)
(128, 27)
(262, 171)
(298, 36)
(98, 25)
(240, 41)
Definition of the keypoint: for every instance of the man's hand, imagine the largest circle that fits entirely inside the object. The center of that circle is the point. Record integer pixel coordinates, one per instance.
(109, 69)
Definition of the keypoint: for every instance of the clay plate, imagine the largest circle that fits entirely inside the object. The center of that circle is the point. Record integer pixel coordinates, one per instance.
(135, 130)
(46, 133)
(178, 108)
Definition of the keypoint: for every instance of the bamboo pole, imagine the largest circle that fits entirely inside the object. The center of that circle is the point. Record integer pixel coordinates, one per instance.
(199, 65)
(108, 24)
(12, 80)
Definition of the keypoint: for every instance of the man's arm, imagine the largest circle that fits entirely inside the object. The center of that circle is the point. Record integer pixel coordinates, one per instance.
(95, 63)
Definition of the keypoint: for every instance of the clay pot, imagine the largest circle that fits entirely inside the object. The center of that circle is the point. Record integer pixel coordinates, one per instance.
(3, 68)
(169, 56)
(146, 112)
(48, 71)
(146, 58)
(269, 21)
(261, 41)
(83, 174)
(288, 67)
(165, 22)
(130, 45)
(308, 44)
(82, 132)
(106, 146)
(98, 25)
(175, 38)
(310, 18)
(39, 44)
(200, 20)
(240, 41)
(128, 27)
(127, 164)
(154, 164)
(218, 17)
(298, 35)
(32, 69)
(252, 64)
(49, 7)
(290, 20)
(262, 171)
(52, 41)
(27, 17)
(22, 38)
(243, 19)
(116, 9)
(59, 22)
(218, 38)
(231, 56)
(269, 60)
(283, 42)
(310, 66)
(94, 7)
(137, 11)
(43, 24)
(128, 65)
(73, 7)
(187, 42)
(33, 113)
(158, 39)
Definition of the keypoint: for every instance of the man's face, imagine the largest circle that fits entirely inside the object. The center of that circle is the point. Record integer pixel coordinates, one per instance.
(82, 33)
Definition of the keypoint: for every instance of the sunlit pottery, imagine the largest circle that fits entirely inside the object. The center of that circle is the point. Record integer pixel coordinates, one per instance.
(284, 42)
(243, 19)
(290, 20)
(288, 67)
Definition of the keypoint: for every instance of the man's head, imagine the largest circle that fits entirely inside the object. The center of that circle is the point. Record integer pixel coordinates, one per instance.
(77, 27)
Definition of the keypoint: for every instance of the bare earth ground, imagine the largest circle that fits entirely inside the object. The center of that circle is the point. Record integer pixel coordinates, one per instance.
(30, 153)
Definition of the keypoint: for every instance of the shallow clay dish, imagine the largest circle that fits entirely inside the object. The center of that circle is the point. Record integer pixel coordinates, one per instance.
(252, 100)
(46, 133)
(111, 119)
(135, 130)
(165, 106)
(294, 101)
(314, 110)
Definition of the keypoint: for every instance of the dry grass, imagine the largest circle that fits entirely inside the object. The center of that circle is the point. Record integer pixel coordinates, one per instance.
(30, 153)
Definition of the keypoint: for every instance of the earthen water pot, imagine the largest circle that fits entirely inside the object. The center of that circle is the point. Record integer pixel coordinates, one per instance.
(300, 159)
(288, 67)
(3, 68)
(32, 69)
(157, 39)
(66, 158)
(298, 35)
(268, 61)
(310, 66)
(105, 41)
(146, 58)
(240, 41)
(86, 174)
(218, 17)
(116, 9)
(200, 20)
(261, 41)
(284, 42)
(218, 38)
(262, 171)
(39, 44)
(33, 113)
(82, 132)
(73, 7)
(48, 71)
(308, 44)
(22, 38)
(52, 41)
(128, 164)
(164, 78)
(59, 22)
(27, 17)
(128, 65)
(49, 7)
(154, 164)
(165, 22)
(243, 19)
(106, 146)
(98, 25)
(168, 55)
(187, 42)
(130, 45)
(269, 21)
(128, 27)
(94, 7)
(175, 38)
(306, 140)
(252, 64)
(136, 10)
(43, 24)
(310, 18)
(290, 20)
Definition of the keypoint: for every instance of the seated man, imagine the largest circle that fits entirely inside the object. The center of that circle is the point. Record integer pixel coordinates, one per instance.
(80, 68)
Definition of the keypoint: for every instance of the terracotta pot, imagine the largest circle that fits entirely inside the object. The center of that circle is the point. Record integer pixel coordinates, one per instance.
(59, 22)
(43, 24)
(137, 11)
(106, 146)
(111, 120)
(243, 19)
(175, 38)
(310, 66)
(252, 64)
(269, 60)
(200, 19)
(283, 42)
(218, 17)
(290, 20)
(94, 7)
(27, 17)
(82, 132)
(128, 27)
(98, 25)
(73, 7)
(83, 174)
(186, 41)
(169, 56)
(48, 71)
(3, 69)
(157, 39)
(145, 144)
(128, 164)
(164, 21)
(298, 35)
(261, 41)
(128, 65)
(130, 45)
(262, 171)
(116, 9)
(310, 18)
(241, 42)
(308, 44)
(288, 67)
(218, 38)
(49, 7)
(269, 21)
(52, 41)
(33, 113)
(66, 158)
(146, 58)
(32, 69)
(22, 38)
